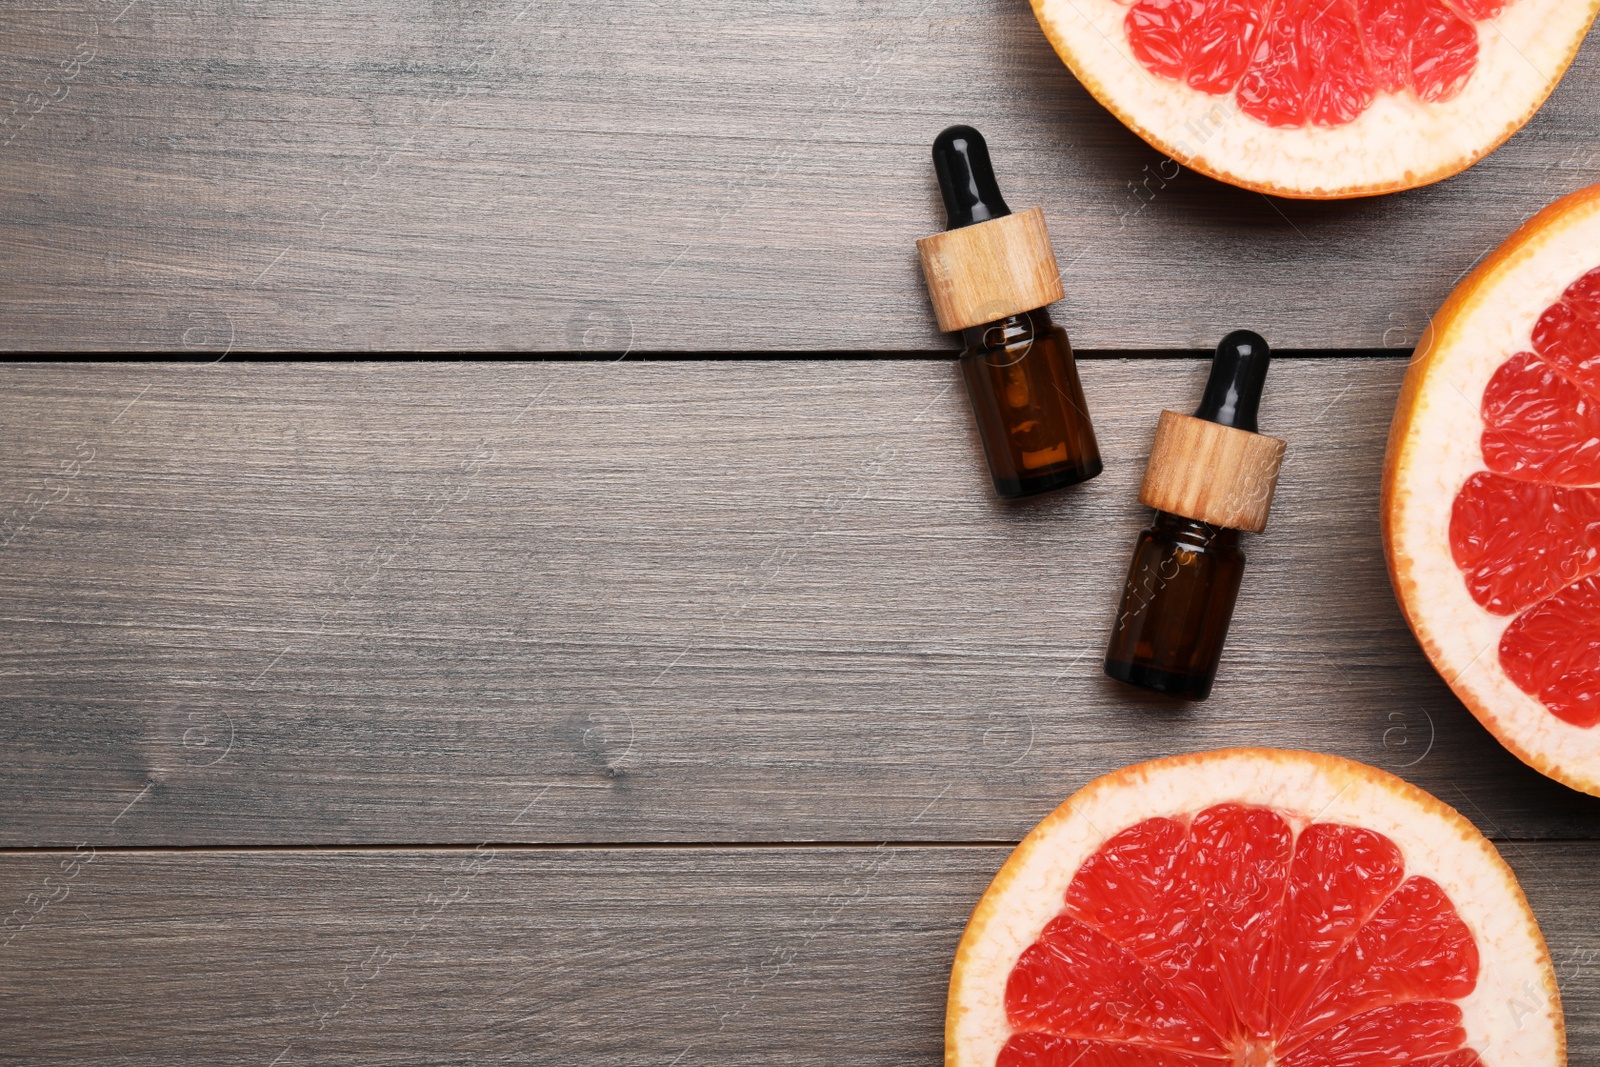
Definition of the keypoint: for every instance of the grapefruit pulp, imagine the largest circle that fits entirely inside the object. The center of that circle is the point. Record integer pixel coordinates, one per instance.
(1320, 98)
(1491, 492)
(1253, 908)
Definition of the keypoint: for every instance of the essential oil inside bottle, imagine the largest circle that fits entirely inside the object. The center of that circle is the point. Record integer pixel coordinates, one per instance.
(1177, 606)
(1028, 403)
(990, 276)
(1210, 476)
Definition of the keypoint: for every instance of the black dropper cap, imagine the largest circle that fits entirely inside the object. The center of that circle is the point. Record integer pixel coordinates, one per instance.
(1233, 392)
(966, 178)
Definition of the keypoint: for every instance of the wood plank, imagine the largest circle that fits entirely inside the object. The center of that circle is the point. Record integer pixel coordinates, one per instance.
(693, 956)
(377, 174)
(742, 601)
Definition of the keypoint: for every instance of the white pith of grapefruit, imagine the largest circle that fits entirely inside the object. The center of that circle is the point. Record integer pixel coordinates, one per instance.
(1397, 141)
(1511, 1017)
(1436, 445)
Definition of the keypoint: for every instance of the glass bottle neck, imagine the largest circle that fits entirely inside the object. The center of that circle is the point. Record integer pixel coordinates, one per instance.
(1004, 333)
(1192, 533)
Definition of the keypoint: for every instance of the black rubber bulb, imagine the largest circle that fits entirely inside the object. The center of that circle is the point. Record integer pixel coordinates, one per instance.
(1233, 392)
(966, 178)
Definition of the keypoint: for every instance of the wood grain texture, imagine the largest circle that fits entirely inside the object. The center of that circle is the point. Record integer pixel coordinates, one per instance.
(693, 956)
(991, 270)
(694, 602)
(1214, 473)
(371, 174)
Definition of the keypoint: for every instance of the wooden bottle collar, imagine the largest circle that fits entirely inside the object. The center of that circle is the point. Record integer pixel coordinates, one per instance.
(1212, 473)
(990, 270)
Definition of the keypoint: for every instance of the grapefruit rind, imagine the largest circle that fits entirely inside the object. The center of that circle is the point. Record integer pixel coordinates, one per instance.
(1400, 142)
(1434, 447)
(1513, 1017)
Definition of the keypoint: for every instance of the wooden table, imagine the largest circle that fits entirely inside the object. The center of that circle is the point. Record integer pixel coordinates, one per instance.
(652, 712)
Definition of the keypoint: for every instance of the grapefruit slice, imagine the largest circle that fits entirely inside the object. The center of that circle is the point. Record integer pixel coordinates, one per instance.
(1320, 98)
(1253, 908)
(1491, 492)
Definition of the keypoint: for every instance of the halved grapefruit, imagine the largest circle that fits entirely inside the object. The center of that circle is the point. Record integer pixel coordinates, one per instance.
(1320, 98)
(1491, 492)
(1253, 908)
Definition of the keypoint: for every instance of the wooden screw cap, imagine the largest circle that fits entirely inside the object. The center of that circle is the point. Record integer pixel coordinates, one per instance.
(1212, 473)
(990, 270)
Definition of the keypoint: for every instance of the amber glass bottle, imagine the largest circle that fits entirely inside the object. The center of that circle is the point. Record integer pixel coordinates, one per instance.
(1210, 476)
(1028, 404)
(990, 276)
(1176, 608)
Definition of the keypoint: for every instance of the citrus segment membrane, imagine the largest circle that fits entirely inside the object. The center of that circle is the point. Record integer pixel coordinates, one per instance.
(1525, 534)
(1293, 63)
(1227, 938)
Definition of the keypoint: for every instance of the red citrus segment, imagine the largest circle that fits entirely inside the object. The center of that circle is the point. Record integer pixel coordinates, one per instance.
(1540, 426)
(1310, 62)
(1206, 43)
(1223, 43)
(1387, 30)
(1583, 296)
(1138, 888)
(1159, 32)
(1341, 874)
(1552, 652)
(1517, 542)
(1230, 937)
(1421, 45)
(1242, 857)
(1443, 52)
(1142, 891)
(1415, 947)
(1076, 982)
(1052, 1050)
(1567, 335)
(1384, 1037)
(1309, 68)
